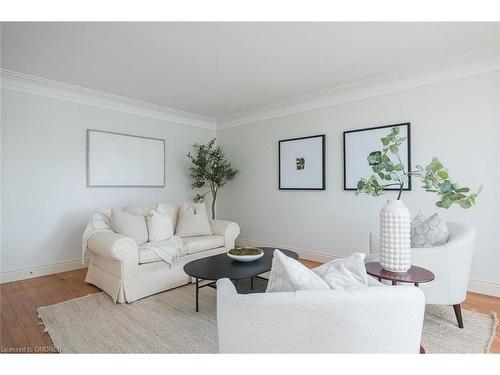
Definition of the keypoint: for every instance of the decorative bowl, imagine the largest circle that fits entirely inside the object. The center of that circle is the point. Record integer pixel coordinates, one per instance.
(245, 254)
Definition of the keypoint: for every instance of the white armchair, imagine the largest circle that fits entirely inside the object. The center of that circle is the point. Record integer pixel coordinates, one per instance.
(367, 320)
(450, 264)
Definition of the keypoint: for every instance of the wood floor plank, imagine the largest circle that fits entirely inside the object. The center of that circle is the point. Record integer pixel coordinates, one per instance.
(19, 300)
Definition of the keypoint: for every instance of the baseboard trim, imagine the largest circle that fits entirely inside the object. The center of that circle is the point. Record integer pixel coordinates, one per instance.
(303, 253)
(484, 287)
(49, 269)
(476, 286)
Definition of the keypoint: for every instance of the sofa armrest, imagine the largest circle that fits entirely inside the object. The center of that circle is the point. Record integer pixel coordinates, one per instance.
(116, 247)
(229, 229)
(226, 288)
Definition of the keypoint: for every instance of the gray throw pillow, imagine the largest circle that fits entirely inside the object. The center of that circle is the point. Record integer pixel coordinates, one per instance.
(428, 231)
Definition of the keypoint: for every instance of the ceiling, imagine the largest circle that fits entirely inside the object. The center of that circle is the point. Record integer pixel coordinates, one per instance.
(217, 69)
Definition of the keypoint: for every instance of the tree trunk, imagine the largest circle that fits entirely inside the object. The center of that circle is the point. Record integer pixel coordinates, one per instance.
(214, 198)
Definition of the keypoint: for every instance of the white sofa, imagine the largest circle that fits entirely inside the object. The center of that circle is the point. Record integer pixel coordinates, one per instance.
(367, 320)
(127, 274)
(450, 264)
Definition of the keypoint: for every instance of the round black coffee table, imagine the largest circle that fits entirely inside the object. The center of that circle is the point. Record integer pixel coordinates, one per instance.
(220, 266)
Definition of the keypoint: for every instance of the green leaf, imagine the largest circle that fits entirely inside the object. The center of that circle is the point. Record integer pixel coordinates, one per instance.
(447, 203)
(399, 167)
(385, 141)
(389, 167)
(443, 174)
(395, 130)
(446, 186)
(393, 149)
(463, 190)
(457, 197)
(465, 204)
(374, 158)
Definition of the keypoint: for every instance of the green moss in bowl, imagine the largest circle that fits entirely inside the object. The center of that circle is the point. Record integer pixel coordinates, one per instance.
(239, 251)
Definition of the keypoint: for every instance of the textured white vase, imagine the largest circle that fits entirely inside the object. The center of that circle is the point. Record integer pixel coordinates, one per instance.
(395, 237)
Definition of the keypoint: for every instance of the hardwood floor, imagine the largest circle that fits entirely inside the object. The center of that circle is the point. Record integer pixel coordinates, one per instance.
(20, 331)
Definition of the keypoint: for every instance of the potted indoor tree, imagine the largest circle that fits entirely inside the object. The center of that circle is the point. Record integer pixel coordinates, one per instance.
(209, 169)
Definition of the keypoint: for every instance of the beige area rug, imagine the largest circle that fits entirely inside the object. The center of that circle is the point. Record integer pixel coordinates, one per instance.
(167, 323)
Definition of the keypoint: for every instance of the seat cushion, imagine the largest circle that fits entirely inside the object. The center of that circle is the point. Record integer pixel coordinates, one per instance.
(202, 243)
(148, 256)
(192, 245)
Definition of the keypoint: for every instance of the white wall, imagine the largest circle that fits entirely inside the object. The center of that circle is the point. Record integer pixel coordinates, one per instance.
(458, 121)
(46, 203)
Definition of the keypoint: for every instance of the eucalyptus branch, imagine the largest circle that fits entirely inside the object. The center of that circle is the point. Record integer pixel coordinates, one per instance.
(434, 176)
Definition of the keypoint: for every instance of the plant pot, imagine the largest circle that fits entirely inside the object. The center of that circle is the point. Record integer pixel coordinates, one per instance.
(395, 237)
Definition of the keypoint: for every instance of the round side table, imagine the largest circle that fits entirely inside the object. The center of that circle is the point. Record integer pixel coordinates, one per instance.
(415, 275)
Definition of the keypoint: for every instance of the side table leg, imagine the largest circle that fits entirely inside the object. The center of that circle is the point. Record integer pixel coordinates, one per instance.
(422, 350)
(251, 282)
(394, 282)
(197, 292)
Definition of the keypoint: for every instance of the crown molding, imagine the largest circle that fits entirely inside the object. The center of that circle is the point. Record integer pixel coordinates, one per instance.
(19, 82)
(459, 67)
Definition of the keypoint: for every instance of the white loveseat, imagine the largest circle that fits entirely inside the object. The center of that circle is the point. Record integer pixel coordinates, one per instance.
(376, 319)
(127, 274)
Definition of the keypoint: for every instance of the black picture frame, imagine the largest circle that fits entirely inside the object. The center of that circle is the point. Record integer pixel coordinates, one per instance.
(408, 124)
(323, 162)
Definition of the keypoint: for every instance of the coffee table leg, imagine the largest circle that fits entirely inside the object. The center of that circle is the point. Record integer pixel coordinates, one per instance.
(197, 291)
(394, 282)
(251, 282)
(422, 350)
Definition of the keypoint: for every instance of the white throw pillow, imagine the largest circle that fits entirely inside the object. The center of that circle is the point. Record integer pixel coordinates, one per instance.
(289, 275)
(159, 226)
(193, 221)
(344, 273)
(171, 210)
(428, 231)
(130, 225)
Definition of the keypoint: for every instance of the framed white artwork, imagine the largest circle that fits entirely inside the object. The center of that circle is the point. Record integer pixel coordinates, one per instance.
(302, 163)
(358, 144)
(123, 160)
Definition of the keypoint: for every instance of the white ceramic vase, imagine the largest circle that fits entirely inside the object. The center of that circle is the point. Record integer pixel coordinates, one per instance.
(395, 237)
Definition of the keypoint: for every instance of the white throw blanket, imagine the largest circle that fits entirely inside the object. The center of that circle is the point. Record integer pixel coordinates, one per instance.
(168, 250)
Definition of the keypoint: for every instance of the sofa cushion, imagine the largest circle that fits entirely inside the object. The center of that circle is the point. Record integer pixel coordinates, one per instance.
(201, 243)
(129, 224)
(289, 275)
(148, 256)
(428, 231)
(159, 226)
(193, 221)
(171, 210)
(192, 245)
(344, 273)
